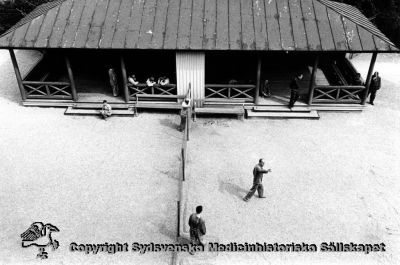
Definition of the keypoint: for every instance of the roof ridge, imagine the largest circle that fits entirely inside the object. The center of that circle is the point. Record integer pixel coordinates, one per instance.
(37, 12)
(331, 4)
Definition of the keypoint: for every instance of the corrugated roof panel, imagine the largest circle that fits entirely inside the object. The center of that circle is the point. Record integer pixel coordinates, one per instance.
(185, 20)
(352, 36)
(172, 22)
(82, 31)
(222, 31)
(260, 25)
(107, 32)
(274, 32)
(299, 33)
(285, 24)
(33, 31)
(72, 24)
(46, 28)
(160, 24)
(235, 25)
(338, 33)
(248, 38)
(312, 25)
(60, 23)
(324, 27)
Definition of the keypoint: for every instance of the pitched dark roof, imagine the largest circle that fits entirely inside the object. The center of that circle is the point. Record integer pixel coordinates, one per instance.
(281, 25)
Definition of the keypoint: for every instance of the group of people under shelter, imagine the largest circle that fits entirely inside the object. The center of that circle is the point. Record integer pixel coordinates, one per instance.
(132, 81)
(294, 86)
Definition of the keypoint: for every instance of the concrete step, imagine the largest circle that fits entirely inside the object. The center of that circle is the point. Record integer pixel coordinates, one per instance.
(99, 105)
(338, 107)
(281, 109)
(51, 104)
(84, 112)
(153, 105)
(283, 115)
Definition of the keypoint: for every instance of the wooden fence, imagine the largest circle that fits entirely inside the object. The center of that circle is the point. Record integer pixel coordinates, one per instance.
(230, 91)
(47, 90)
(338, 94)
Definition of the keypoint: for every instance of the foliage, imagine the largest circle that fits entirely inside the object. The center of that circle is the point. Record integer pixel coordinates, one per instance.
(385, 14)
(11, 11)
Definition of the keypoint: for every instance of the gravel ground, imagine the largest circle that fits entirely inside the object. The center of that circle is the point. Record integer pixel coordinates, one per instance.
(97, 181)
(335, 179)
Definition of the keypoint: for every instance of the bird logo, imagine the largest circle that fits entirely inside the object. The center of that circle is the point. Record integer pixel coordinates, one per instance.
(39, 235)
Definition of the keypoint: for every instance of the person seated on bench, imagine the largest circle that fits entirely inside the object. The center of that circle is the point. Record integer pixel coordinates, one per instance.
(184, 113)
(163, 81)
(266, 89)
(150, 82)
(358, 80)
(106, 110)
(132, 80)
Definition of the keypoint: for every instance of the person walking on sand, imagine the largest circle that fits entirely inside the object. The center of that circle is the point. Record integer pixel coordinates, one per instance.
(258, 172)
(106, 110)
(197, 227)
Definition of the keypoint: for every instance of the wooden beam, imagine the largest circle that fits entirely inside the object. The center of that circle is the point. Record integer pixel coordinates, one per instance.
(312, 80)
(18, 75)
(257, 95)
(71, 79)
(124, 79)
(369, 77)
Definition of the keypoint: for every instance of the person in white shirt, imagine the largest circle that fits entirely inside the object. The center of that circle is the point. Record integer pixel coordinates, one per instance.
(132, 80)
(150, 82)
(163, 81)
(106, 110)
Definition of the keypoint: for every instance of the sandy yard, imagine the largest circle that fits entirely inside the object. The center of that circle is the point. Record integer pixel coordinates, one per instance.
(333, 180)
(97, 181)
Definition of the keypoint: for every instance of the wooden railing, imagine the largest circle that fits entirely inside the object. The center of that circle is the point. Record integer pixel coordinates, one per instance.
(47, 90)
(230, 91)
(154, 90)
(338, 94)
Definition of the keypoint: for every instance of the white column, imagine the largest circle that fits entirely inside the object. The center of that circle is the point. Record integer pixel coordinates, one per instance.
(190, 68)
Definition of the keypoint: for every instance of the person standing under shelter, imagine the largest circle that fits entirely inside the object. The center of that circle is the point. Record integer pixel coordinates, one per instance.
(106, 110)
(258, 172)
(375, 86)
(294, 90)
(113, 81)
(197, 227)
(185, 111)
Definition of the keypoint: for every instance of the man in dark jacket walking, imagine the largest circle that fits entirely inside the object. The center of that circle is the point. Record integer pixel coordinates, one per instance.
(197, 227)
(294, 90)
(375, 86)
(258, 172)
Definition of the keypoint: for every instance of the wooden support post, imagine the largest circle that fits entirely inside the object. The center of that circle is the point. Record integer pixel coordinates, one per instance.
(124, 79)
(369, 77)
(178, 223)
(17, 74)
(257, 95)
(188, 123)
(312, 80)
(71, 79)
(183, 155)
